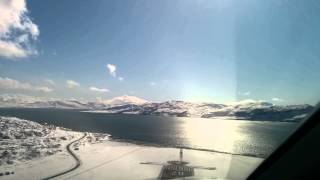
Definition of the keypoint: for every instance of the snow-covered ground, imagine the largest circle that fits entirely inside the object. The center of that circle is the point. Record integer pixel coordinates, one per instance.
(23, 141)
(34, 151)
(115, 160)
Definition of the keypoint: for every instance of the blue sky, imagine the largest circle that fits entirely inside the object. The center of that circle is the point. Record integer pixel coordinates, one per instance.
(212, 51)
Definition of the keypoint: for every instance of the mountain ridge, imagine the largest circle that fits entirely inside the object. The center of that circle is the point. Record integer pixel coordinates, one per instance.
(250, 110)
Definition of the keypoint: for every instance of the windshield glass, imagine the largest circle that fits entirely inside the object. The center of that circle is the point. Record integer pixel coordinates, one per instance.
(139, 89)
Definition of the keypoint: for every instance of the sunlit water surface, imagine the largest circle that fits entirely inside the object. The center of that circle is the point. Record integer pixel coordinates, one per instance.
(254, 138)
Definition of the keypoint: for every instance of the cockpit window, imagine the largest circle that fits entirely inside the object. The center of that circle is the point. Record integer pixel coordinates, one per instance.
(139, 89)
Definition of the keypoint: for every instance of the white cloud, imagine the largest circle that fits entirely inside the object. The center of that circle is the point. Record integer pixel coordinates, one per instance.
(72, 84)
(44, 89)
(112, 69)
(250, 102)
(12, 50)
(12, 84)
(17, 31)
(49, 82)
(277, 99)
(244, 101)
(121, 78)
(152, 83)
(101, 90)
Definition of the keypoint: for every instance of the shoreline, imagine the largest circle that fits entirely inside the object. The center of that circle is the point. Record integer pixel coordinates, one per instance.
(152, 145)
(116, 136)
(103, 157)
(228, 118)
(110, 158)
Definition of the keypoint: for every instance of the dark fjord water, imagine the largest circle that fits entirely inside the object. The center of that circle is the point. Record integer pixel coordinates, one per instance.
(231, 136)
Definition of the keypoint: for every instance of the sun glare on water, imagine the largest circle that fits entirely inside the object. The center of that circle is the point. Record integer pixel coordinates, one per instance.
(222, 135)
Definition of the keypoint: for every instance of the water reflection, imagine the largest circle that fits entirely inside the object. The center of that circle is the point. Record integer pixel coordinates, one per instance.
(221, 135)
(224, 135)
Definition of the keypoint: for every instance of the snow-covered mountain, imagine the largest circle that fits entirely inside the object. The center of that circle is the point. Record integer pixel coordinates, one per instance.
(252, 110)
(248, 109)
(123, 100)
(18, 100)
(261, 110)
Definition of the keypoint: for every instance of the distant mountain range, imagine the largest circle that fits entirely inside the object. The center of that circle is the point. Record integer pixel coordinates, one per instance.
(125, 99)
(249, 109)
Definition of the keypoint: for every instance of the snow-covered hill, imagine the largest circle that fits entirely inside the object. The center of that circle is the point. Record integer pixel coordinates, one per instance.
(125, 99)
(263, 111)
(17, 100)
(252, 110)
(22, 140)
(248, 109)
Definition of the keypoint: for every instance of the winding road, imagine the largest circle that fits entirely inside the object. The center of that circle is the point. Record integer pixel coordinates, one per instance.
(75, 157)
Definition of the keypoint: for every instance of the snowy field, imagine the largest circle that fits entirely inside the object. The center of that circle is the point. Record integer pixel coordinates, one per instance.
(23, 140)
(33, 151)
